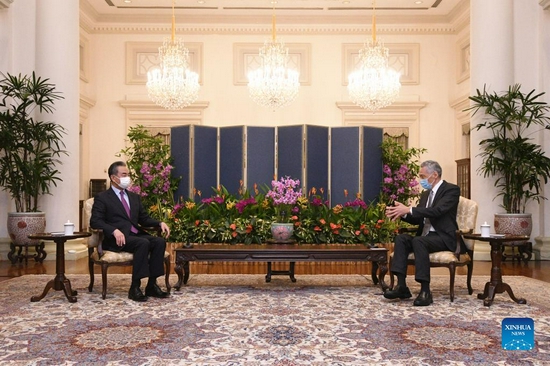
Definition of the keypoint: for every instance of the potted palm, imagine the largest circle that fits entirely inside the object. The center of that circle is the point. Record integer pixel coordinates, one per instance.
(519, 166)
(29, 149)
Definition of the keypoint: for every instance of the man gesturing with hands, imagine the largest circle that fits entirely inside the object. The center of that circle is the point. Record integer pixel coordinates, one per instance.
(435, 216)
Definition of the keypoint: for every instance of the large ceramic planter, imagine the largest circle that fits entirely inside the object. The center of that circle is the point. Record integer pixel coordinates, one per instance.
(516, 224)
(282, 232)
(22, 224)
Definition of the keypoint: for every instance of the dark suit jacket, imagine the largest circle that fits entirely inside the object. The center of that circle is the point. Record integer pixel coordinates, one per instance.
(108, 214)
(442, 214)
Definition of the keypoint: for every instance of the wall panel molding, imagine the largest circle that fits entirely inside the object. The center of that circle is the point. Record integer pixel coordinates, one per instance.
(246, 58)
(399, 114)
(84, 58)
(148, 114)
(463, 59)
(403, 58)
(143, 56)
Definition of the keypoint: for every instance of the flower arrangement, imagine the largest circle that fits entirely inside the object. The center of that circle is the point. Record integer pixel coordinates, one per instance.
(223, 218)
(150, 166)
(284, 195)
(400, 170)
(246, 217)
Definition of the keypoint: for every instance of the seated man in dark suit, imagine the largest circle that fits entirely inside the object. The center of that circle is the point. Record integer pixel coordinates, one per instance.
(120, 214)
(435, 216)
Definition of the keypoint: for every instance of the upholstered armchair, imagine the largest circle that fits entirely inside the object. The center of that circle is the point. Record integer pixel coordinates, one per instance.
(466, 217)
(106, 258)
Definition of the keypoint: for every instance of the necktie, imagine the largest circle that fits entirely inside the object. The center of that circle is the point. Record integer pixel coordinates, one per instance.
(127, 208)
(427, 225)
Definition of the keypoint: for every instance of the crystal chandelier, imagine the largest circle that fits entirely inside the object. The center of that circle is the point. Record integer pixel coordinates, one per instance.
(273, 85)
(374, 85)
(172, 85)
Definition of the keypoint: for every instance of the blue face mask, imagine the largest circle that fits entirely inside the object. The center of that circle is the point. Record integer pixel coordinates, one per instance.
(424, 183)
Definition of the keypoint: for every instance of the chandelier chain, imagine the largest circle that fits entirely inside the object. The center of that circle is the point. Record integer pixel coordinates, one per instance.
(374, 84)
(173, 85)
(273, 84)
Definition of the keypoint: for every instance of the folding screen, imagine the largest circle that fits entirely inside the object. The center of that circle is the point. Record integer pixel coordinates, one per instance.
(317, 161)
(303, 154)
(195, 152)
(290, 148)
(247, 154)
(372, 162)
(356, 163)
(345, 162)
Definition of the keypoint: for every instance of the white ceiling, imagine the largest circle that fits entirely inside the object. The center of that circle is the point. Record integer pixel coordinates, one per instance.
(260, 11)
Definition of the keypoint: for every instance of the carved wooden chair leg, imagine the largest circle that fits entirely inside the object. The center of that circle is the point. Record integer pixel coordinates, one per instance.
(90, 269)
(104, 268)
(392, 277)
(452, 271)
(470, 267)
(167, 269)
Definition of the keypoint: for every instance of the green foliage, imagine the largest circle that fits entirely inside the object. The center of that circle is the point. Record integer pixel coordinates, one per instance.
(29, 149)
(247, 217)
(150, 166)
(518, 165)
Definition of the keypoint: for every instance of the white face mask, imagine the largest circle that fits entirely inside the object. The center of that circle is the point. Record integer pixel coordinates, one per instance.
(125, 182)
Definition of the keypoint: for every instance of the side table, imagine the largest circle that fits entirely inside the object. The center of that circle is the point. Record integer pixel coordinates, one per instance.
(60, 282)
(495, 285)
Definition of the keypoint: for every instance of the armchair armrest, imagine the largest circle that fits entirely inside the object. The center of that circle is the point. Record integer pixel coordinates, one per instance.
(459, 234)
(408, 230)
(152, 229)
(96, 240)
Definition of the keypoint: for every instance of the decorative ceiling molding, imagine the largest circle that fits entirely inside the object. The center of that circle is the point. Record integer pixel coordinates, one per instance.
(460, 17)
(293, 16)
(266, 29)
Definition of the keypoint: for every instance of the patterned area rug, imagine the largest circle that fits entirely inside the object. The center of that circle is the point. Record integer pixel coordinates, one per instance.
(241, 320)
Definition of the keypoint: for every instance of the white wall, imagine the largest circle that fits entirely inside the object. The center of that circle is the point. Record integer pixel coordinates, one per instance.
(231, 105)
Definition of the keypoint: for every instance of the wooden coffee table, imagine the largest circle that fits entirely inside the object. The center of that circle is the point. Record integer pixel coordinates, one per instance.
(281, 253)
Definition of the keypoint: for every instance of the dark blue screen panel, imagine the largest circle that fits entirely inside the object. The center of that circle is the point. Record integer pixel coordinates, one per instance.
(205, 159)
(180, 151)
(231, 157)
(290, 147)
(317, 158)
(345, 162)
(260, 155)
(372, 162)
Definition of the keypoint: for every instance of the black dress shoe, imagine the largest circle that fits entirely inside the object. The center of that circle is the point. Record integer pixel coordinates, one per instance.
(398, 293)
(136, 294)
(155, 291)
(424, 298)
